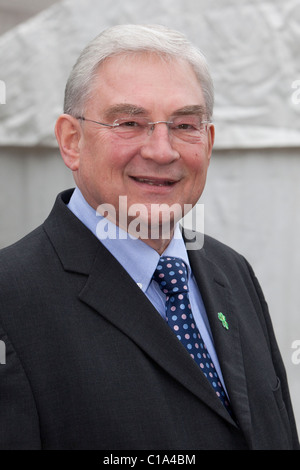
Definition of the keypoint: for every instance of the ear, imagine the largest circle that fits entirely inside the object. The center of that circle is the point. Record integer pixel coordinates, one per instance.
(68, 133)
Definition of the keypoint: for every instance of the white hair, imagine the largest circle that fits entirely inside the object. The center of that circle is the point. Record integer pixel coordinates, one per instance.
(128, 39)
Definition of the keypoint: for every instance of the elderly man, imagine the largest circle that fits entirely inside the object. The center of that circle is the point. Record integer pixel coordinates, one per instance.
(117, 336)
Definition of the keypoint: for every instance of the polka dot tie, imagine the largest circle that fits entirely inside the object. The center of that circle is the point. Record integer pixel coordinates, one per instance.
(171, 275)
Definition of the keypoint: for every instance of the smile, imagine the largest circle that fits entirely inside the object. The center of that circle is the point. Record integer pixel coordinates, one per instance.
(154, 181)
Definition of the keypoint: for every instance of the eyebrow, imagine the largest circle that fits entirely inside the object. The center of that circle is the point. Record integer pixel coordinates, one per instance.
(188, 110)
(124, 108)
(133, 110)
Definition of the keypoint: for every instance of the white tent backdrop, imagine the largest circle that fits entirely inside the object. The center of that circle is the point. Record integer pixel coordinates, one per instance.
(252, 198)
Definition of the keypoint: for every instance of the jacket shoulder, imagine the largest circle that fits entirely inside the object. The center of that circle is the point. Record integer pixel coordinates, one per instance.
(211, 244)
(32, 248)
(216, 251)
(19, 260)
(219, 251)
(16, 252)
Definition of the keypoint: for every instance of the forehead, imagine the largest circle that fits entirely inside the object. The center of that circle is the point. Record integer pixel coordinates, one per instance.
(146, 80)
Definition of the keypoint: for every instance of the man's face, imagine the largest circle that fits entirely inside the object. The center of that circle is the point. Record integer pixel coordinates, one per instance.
(158, 169)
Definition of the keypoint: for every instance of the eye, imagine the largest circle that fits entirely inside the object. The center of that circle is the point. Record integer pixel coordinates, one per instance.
(185, 126)
(128, 123)
(186, 123)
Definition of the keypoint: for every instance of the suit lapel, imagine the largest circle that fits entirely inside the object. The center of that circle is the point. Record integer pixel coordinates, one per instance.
(218, 298)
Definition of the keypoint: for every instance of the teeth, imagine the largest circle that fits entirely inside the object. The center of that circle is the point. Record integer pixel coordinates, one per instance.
(153, 183)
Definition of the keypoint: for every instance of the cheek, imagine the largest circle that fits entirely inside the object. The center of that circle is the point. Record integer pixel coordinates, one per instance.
(198, 164)
(103, 158)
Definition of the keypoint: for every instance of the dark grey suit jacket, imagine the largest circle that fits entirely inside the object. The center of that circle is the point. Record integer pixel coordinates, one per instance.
(90, 364)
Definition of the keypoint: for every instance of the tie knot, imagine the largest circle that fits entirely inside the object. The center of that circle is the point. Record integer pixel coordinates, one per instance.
(171, 275)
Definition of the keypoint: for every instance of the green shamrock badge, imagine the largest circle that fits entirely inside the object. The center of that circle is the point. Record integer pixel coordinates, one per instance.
(222, 319)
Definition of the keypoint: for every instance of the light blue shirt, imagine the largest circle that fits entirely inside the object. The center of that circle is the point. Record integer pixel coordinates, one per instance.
(140, 261)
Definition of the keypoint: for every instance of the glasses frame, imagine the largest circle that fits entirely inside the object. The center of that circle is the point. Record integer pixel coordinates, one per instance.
(115, 124)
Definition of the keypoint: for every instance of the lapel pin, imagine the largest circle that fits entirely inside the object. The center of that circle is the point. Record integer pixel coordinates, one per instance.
(222, 319)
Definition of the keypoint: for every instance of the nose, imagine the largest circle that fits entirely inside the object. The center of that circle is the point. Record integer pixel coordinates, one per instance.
(158, 145)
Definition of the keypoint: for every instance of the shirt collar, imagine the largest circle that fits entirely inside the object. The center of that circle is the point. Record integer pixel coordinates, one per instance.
(137, 258)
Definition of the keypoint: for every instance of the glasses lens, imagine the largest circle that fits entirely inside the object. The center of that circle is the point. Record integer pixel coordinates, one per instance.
(188, 128)
(130, 128)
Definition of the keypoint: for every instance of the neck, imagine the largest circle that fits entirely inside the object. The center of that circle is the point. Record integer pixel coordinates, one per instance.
(158, 245)
(157, 238)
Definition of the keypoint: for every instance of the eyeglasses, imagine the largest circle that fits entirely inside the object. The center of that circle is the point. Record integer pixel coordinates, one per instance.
(186, 128)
